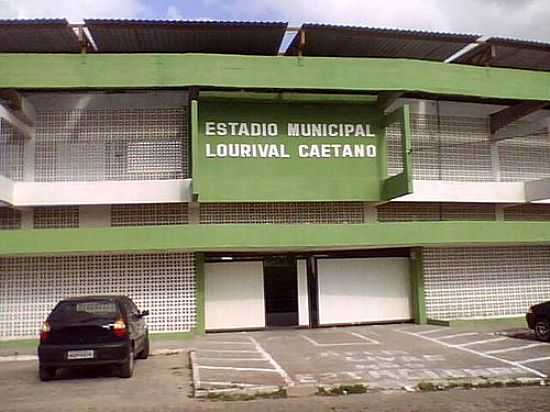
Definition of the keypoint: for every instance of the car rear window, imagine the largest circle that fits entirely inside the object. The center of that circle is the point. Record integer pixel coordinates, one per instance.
(85, 309)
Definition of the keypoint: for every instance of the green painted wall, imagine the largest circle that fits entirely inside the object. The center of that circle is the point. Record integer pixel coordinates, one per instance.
(32, 71)
(246, 237)
(293, 178)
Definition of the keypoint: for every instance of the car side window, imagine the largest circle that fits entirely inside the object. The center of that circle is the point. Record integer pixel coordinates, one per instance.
(131, 308)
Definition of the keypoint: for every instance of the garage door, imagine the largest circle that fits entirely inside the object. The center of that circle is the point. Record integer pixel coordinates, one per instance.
(234, 295)
(363, 290)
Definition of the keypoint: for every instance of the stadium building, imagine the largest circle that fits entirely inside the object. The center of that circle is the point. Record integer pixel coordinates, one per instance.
(234, 176)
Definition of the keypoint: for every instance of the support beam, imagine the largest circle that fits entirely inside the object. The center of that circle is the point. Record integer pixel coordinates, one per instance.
(386, 99)
(528, 129)
(536, 190)
(509, 115)
(18, 111)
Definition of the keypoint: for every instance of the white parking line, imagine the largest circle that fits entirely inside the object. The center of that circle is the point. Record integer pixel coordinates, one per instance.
(226, 351)
(272, 361)
(481, 342)
(532, 345)
(205, 358)
(482, 354)
(226, 343)
(427, 332)
(231, 368)
(535, 360)
(365, 338)
(458, 335)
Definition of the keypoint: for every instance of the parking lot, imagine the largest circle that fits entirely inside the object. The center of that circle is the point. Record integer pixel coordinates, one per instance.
(380, 356)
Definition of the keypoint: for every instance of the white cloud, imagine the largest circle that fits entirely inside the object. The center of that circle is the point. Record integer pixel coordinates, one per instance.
(513, 18)
(173, 13)
(73, 10)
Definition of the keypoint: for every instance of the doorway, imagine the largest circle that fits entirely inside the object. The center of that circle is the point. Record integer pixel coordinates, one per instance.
(281, 291)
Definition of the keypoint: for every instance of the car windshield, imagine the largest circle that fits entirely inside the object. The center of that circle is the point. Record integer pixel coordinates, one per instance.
(85, 310)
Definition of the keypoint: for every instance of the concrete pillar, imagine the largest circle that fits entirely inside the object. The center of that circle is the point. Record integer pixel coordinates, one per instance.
(95, 216)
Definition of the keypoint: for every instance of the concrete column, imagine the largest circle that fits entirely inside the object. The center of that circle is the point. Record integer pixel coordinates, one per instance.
(499, 212)
(27, 218)
(29, 152)
(95, 216)
(370, 213)
(194, 213)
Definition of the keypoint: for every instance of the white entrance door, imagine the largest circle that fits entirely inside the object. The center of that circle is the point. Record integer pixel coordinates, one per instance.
(363, 290)
(234, 295)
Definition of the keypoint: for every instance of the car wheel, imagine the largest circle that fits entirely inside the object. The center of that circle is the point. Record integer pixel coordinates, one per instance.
(46, 373)
(127, 368)
(144, 354)
(542, 330)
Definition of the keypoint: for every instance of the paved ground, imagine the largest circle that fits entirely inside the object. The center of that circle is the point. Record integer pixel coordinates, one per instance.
(382, 356)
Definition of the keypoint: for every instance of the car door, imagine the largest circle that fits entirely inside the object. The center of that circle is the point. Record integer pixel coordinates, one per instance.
(137, 322)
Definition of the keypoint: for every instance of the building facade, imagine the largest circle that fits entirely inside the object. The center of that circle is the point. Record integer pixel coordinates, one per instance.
(223, 186)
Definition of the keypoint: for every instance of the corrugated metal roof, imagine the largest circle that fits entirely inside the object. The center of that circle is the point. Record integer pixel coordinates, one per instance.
(510, 53)
(352, 41)
(38, 36)
(162, 36)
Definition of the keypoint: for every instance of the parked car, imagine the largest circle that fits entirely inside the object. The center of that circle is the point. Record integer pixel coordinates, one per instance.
(93, 330)
(538, 318)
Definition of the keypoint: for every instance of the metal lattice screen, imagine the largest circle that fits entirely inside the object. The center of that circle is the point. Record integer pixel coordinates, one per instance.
(163, 283)
(525, 158)
(149, 214)
(56, 217)
(528, 212)
(485, 282)
(98, 145)
(11, 151)
(444, 148)
(429, 211)
(293, 212)
(9, 218)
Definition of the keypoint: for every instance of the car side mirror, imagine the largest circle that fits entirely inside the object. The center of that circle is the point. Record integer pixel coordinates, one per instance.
(144, 313)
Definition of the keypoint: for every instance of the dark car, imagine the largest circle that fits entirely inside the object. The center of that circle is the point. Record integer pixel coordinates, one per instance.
(538, 318)
(93, 330)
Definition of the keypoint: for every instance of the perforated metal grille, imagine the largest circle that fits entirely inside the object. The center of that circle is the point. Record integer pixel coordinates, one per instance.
(307, 212)
(11, 151)
(448, 148)
(527, 212)
(161, 283)
(525, 158)
(412, 211)
(485, 282)
(149, 214)
(56, 217)
(112, 145)
(9, 218)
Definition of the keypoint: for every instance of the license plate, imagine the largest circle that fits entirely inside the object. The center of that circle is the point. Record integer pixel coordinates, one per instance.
(80, 354)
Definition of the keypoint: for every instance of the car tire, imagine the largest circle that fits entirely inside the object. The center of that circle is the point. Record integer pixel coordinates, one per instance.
(542, 330)
(127, 368)
(144, 354)
(46, 373)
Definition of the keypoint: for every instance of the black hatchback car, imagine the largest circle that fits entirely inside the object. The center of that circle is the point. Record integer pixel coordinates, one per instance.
(538, 318)
(93, 330)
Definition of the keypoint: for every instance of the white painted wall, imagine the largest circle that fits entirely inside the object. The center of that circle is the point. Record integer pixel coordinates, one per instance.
(480, 192)
(102, 192)
(234, 295)
(6, 190)
(363, 290)
(303, 301)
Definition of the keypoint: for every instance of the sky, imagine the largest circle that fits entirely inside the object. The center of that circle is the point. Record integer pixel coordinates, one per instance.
(524, 19)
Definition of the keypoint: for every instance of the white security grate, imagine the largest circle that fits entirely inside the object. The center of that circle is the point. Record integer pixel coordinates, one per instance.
(527, 212)
(293, 212)
(112, 145)
(149, 214)
(485, 282)
(56, 217)
(448, 148)
(525, 158)
(428, 211)
(11, 151)
(9, 218)
(162, 283)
